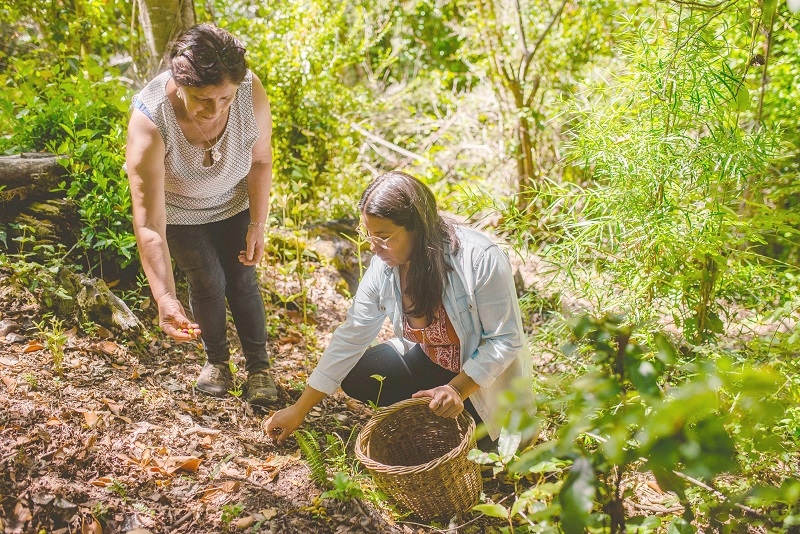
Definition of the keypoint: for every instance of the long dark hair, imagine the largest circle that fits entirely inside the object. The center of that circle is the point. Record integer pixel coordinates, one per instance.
(205, 55)
(409, 203)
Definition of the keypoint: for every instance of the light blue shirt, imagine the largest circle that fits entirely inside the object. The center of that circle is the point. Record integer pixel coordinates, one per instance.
(481, 302)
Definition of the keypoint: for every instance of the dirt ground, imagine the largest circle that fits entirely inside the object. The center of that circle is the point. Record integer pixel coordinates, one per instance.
(122, 442)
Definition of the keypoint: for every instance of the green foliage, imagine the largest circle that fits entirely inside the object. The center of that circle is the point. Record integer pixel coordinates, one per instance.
(230, 512)
(380, 379)
(674, 214)
(619, 416)
(90, 27)
(55, 338)
(302, 67)
(295, 260)
(72, 109)
(409, 37)
(118, 488)
(346, 482)
(236, 385)
(345, 488)
(40, 278)
(534, 504)
(309, 446)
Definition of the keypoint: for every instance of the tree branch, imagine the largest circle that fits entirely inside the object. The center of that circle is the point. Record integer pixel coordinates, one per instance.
(526, 60)
(698, 5)
(521, 28)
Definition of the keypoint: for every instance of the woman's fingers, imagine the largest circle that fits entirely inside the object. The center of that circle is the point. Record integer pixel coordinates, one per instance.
(444, 401)
(281, 425)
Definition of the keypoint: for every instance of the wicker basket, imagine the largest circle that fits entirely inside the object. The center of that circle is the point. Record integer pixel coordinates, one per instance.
(420, 459)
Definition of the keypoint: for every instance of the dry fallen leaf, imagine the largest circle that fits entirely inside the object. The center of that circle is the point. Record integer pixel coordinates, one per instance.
(91, 418)
(230, 470)
(202, 431)
(102, 482)
(33, 346)
(229, 486)
(114, 407)
(291, 337)
(655, 486)
(145, 459)
(268, 513)
(191, 409)
(182, 463)
(104, 333)
(10, 383)
(22, 513)
(90, 525)
(245, 522)
(109, 347)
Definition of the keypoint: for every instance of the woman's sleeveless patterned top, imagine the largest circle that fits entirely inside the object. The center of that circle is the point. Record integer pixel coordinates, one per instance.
(196, 194)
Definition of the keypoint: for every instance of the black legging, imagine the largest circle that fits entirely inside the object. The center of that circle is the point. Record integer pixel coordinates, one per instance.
(405, 374)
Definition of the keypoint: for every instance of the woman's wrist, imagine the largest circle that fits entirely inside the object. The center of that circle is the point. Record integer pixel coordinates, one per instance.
(165, 294)
(455, 388)
(259, 224)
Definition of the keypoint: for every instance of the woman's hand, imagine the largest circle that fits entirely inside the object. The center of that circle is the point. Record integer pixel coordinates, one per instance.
(445, 401)
(284, 422)
(255, 246)
(172, 320)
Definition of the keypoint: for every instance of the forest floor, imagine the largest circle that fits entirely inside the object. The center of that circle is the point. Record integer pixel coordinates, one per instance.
(121, 441)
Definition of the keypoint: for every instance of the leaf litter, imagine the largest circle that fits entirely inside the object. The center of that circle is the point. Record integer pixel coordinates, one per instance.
(121, 442)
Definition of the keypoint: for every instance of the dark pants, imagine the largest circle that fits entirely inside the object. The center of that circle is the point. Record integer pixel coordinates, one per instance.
(405, 374)
(209, 256)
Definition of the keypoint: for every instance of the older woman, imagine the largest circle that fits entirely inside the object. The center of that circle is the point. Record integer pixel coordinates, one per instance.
(199, 162)
(449, 293)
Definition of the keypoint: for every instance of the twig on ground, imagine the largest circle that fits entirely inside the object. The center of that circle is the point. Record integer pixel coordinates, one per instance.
(181, 520)
(245, 479)
(719, 495)
(659, 509)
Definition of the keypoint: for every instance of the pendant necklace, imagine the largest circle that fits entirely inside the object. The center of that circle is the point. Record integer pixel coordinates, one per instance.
(215, 152)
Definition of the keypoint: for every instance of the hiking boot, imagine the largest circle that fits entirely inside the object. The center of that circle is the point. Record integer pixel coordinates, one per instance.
(215, 379)
(261, 389)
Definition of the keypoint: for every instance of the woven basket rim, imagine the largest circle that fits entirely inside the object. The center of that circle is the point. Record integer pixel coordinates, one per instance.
(362, 441)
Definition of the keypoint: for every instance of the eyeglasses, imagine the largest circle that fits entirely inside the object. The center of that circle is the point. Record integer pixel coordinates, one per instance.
(207, 56)
(380, 242)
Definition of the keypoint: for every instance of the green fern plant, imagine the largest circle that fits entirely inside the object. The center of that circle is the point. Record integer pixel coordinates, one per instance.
(309, 447)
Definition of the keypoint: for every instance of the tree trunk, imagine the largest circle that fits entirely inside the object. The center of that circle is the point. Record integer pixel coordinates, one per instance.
(29, 175)
(29, 208)
(528, 178)
(161, 21)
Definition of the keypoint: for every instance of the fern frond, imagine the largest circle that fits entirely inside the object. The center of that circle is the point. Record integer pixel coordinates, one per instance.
(309, 447)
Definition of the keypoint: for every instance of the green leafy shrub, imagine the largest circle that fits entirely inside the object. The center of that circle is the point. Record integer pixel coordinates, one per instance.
(623, 416)
(678, 161)
(71, 109)
(307, 71)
